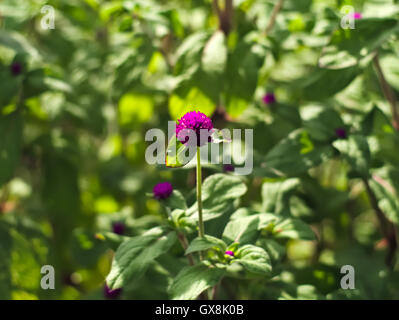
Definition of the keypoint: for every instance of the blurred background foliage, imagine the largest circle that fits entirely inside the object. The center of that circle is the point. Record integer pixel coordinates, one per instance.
(76, 101)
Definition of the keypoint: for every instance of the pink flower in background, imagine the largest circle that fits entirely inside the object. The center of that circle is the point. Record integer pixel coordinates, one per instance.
(229, 253)
(111, 294)
(269, 98)
(340, 133)
(16, 68)
(162, 190)
(118, 228)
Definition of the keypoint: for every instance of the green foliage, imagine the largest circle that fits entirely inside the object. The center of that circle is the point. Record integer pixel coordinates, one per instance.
(75, 188)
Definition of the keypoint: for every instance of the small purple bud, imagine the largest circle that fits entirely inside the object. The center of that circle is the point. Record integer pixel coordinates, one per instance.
(340, 133)
(269, 98)
(357, 15)
(118, 228)
(228, 168)
(229, 253)
(111, 294)
(16, 68)
(162, 190)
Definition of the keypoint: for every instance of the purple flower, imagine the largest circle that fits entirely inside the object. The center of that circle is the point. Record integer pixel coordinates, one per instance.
(195, 121)
(357, 15)
(111, 294)
(340, 133)
(16, 68)
(229, 253)
(228, 167)
(269, 98)
(118, 227)
(162, 190)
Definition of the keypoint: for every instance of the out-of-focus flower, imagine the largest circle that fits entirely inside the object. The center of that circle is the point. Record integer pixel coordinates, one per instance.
(162, 190)
(269, 98)
(341, 133)
(111, 294)
(357, 15)
(118, 227)
(196, 121)
(229, 253)
(228, 167)
(16, 68)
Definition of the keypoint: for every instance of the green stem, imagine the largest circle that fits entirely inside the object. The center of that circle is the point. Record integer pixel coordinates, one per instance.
(199, 195)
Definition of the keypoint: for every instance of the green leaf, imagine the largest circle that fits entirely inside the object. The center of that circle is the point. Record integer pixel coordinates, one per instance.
(134, 256)
(325, 83)
(10, 144)
(303, 155)
(356, 151)
(242, 76)
(214, 56)
(218, 193)
(175, 201)
(178, 154)
(205, 243)
(254, 260)
(348, 46)
(276, 195)
(321, 122)
(193, 280)
(293, 229)
(5, 262)
(386, 195)
(242, 230)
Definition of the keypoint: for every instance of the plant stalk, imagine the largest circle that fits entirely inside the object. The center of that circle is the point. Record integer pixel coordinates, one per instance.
(388, 92)
(387, 227)
(273, 16)
(199, 195)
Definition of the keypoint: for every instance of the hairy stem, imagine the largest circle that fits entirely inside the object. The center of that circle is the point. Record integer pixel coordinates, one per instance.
(273, 16)
(387, 228)
(225, 16)
(199, 195)
(388, 92)
(184, 243)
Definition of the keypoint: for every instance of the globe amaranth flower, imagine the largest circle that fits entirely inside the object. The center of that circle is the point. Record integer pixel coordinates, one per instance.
(228, 168)
(111, 294)
(357, 15)
(341, 133)
(118, 228)
(194, 122)
(269, 98)
(229, 253)
(162, 190)
(16, 68)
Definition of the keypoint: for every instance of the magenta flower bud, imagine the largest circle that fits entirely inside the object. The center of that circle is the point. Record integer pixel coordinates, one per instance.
(357, 15)
(111, 294)
(269, 98)
(162, 190)
(229, 253)
(16, 68)
(118, 228)
(195, 121)
(228, 168)
(340, 133)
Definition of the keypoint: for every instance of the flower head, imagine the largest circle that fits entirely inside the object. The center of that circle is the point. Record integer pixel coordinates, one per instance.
(228, 168)
(16, 68)
(111, 294)
(269, 98)
(162, 190)
(118, 227)
(340, 133)
(357, 15)
(229, 253)
(194, 121)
